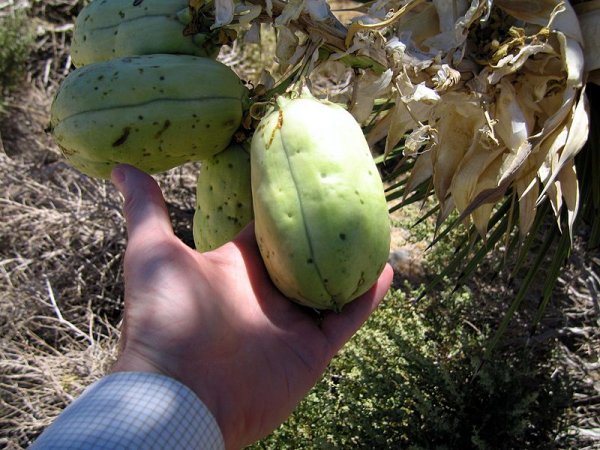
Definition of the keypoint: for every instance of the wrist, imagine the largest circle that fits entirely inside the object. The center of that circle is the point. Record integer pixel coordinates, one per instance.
(135, 363)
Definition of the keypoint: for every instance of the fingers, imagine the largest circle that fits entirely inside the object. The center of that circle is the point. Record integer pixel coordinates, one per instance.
(339, 328)
(245, 240)
(246, 236)
(144, 207)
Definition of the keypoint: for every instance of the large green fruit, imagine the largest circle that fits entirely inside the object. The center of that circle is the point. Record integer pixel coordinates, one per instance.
(223, 198)
(321, 217)
(155, 112)
(107, 29)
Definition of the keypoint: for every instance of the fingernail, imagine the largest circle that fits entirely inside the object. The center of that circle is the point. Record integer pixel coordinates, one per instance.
(118, 176)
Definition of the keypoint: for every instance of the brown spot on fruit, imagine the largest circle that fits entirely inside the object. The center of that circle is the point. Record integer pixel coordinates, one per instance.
(121, 140)
(277, 127)
(164, 128)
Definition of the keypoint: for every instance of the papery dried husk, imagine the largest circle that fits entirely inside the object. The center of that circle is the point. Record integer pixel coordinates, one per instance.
(528, 191)
(481, 214)
(488, 96)
(400, 122)
(569, 185)
(538, 12)
(380, 129)
(421, 172)
(528, 11)
(223, 13)
(576, 123)
(368, 87)
(522, 108)
(512, 126)
(457, 133)
(456, 18)
(317, 9)
(291, 11)
(419, 25)
(413, 107)
(476, 172)
(287, 44)
(418, 139)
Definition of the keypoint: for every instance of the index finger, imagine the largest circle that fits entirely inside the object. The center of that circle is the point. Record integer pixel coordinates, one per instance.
(144, 207)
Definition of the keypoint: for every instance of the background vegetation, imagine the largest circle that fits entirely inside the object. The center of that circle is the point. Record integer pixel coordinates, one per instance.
(420, 374)
(16, 40)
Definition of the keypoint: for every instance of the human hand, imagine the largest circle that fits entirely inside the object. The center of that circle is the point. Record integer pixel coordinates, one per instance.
(215, 322)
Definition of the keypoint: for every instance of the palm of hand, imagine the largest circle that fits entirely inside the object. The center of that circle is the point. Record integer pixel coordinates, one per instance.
(215, 322)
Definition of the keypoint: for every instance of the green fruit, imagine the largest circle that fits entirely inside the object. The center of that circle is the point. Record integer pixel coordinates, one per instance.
(155, 112)
(223, 198)
(321, 216)
(108, 29)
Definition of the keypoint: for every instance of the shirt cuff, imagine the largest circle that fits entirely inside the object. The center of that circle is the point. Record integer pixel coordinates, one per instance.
(129, 410)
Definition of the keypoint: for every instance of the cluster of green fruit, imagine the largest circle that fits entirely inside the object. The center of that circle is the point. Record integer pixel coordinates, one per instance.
(143, 92)
(308, 179)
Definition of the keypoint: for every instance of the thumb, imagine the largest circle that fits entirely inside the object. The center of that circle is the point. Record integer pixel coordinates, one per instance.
(144, 206)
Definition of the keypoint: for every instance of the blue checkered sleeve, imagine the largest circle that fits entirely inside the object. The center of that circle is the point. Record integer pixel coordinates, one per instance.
(133, 410)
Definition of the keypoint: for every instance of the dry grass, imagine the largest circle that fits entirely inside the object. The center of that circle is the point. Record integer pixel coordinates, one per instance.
(61, 250)
(579, 345)
(61, 246)
(38, 380)
(62, 239)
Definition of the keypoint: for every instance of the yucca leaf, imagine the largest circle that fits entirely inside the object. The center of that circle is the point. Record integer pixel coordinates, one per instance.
(557, 263)
(455, 268)
(398, 186)
(489, 244)
(430, 213)
(527, 243)
(462, 250)
(417, 196)
(522, 292)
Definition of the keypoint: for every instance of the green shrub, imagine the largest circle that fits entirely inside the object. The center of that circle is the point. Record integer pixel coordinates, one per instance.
(406, 381)
(16, 39)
